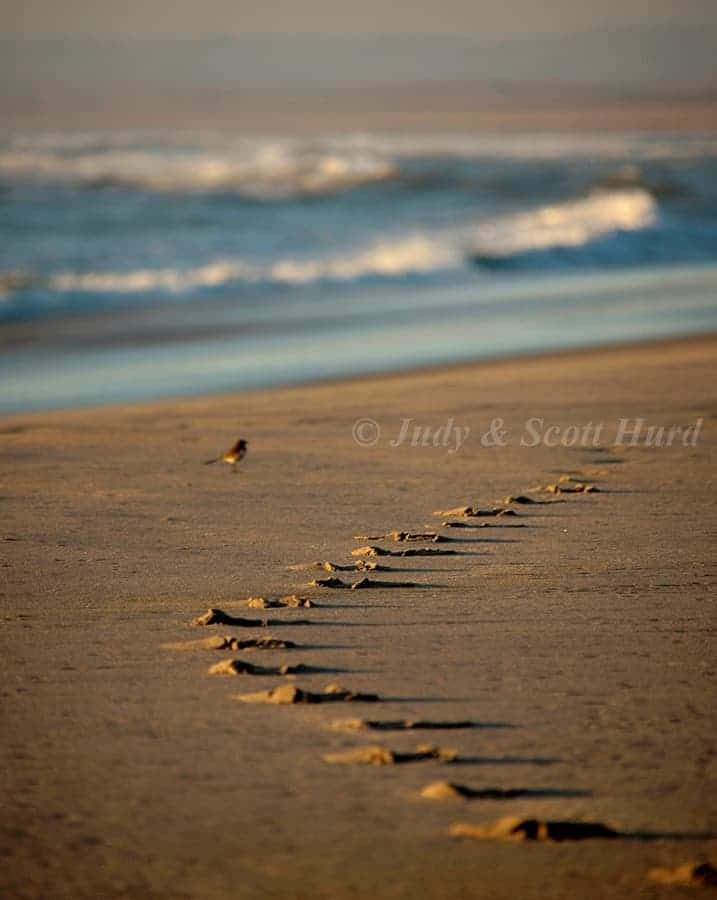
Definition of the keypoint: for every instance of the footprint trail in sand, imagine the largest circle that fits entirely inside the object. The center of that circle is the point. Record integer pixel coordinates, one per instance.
(511, 828)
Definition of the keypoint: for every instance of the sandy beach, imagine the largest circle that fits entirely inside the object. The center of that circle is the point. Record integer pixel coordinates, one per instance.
(580, 645)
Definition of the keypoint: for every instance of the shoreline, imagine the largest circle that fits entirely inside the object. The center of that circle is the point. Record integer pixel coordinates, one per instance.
(430, 369)
(580, 642)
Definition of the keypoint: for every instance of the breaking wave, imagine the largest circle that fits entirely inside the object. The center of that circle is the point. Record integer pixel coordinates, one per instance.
(413, 254)
(572, 225)
(285, 167)
(254, 169)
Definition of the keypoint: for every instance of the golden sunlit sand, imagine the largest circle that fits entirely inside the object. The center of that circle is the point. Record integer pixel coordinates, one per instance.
(572, 658)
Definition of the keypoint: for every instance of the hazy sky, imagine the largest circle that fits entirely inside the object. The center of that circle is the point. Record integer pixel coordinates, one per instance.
(155, 18)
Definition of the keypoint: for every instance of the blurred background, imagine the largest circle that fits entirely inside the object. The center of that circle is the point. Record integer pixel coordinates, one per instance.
(240, 195)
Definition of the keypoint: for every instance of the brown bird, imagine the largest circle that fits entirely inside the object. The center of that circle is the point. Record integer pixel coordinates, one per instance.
(232, 455)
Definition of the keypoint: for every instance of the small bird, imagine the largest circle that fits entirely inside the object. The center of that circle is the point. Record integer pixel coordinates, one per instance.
(232, 455)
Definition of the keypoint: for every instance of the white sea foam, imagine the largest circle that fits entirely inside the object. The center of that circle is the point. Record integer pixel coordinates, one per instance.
(389, 257)
(253, 168)
(287, 166)
(573, 223)
(411, 254)
(139, 281)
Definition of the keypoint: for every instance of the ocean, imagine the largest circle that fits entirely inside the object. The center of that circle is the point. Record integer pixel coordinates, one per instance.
(139, 265)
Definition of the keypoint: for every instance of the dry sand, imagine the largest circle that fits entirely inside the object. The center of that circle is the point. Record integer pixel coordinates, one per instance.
(583, 641)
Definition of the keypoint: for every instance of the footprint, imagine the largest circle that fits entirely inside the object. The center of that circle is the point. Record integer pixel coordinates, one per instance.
(375, 551)
(382, 756)
(231, 643)
(330, 583)
(361, 565)
(368, 583)
(265, 643)
(426, 551)
(521, 498)
(449, 790)
(692, 874)
(577, 488)
(513, 828)
(394, 725)
(291, 601)
(211, 643)
(482, 524)
(219, 617)
(359, 585)
(471, 512)
(291, 693)
(241, 667)
(403, 537)
(571, 479)
(370, 550)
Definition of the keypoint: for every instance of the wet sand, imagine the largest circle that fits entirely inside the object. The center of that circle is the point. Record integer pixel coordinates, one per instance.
(568, 664)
